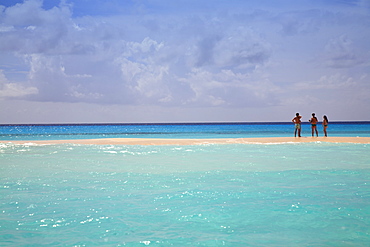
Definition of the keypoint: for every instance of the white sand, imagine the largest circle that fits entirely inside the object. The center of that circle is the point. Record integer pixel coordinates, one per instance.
(154, 141)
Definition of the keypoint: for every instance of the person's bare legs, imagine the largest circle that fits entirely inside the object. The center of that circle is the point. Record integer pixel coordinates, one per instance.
(314, 130)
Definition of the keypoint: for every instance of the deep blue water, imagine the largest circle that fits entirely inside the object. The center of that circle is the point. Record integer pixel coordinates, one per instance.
(205, 130)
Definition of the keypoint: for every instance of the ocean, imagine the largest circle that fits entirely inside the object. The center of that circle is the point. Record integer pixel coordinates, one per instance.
(180, 130)
(287, 194)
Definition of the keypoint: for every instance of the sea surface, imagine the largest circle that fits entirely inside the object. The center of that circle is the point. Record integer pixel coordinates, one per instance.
(287, 194)
(180, 130)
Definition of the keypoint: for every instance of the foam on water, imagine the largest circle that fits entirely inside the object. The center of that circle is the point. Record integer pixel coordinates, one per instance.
(304, 194)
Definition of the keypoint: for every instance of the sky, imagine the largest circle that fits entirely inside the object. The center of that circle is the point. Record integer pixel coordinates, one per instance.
(163, 61)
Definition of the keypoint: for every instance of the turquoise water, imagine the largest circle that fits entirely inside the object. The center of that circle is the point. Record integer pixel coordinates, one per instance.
(206, 130)
(307, 194)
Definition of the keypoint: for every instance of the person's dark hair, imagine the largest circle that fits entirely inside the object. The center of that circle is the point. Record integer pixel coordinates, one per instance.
(326, 118)
(297, 114)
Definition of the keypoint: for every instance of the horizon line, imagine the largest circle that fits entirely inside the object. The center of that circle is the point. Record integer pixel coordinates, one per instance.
(176, 123)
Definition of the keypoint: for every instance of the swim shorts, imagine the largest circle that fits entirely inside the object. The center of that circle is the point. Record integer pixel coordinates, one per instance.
(297, 126)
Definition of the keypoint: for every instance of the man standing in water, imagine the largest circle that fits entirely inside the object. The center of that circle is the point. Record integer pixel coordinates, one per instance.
(313, 122)
(297, 125)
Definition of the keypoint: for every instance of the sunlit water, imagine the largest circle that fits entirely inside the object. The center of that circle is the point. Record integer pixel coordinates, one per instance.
(308, 194)
(216, 130)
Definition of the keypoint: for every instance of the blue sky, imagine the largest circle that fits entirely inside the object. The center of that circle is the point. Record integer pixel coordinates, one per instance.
(101, 61)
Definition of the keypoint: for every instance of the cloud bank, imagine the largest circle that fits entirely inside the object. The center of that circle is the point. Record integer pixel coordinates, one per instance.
(187, 54)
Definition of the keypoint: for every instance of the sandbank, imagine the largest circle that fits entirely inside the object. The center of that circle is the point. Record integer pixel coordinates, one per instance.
(157, 141)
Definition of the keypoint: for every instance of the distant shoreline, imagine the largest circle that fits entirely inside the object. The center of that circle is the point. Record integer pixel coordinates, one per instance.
(160, 141)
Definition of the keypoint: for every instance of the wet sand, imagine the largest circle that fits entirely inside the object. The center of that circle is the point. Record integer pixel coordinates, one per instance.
(154, 141)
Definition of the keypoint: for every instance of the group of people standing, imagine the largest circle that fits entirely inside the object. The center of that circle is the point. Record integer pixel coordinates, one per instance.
(297, 123)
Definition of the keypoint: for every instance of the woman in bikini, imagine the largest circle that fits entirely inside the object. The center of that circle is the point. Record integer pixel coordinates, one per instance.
(325, 123)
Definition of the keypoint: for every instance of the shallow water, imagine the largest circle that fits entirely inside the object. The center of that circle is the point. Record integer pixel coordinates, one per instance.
(308, 194)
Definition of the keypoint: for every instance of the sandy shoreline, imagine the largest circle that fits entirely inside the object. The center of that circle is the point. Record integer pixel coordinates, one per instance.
(154, 141)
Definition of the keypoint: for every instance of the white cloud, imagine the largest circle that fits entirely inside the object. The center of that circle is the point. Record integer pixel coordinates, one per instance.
(300, 22)
(340, 53)
(13, 90)
(336, 81)
(241, 49)
(243, 54)
(10, 90)
(230, 89)
(31, 29)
